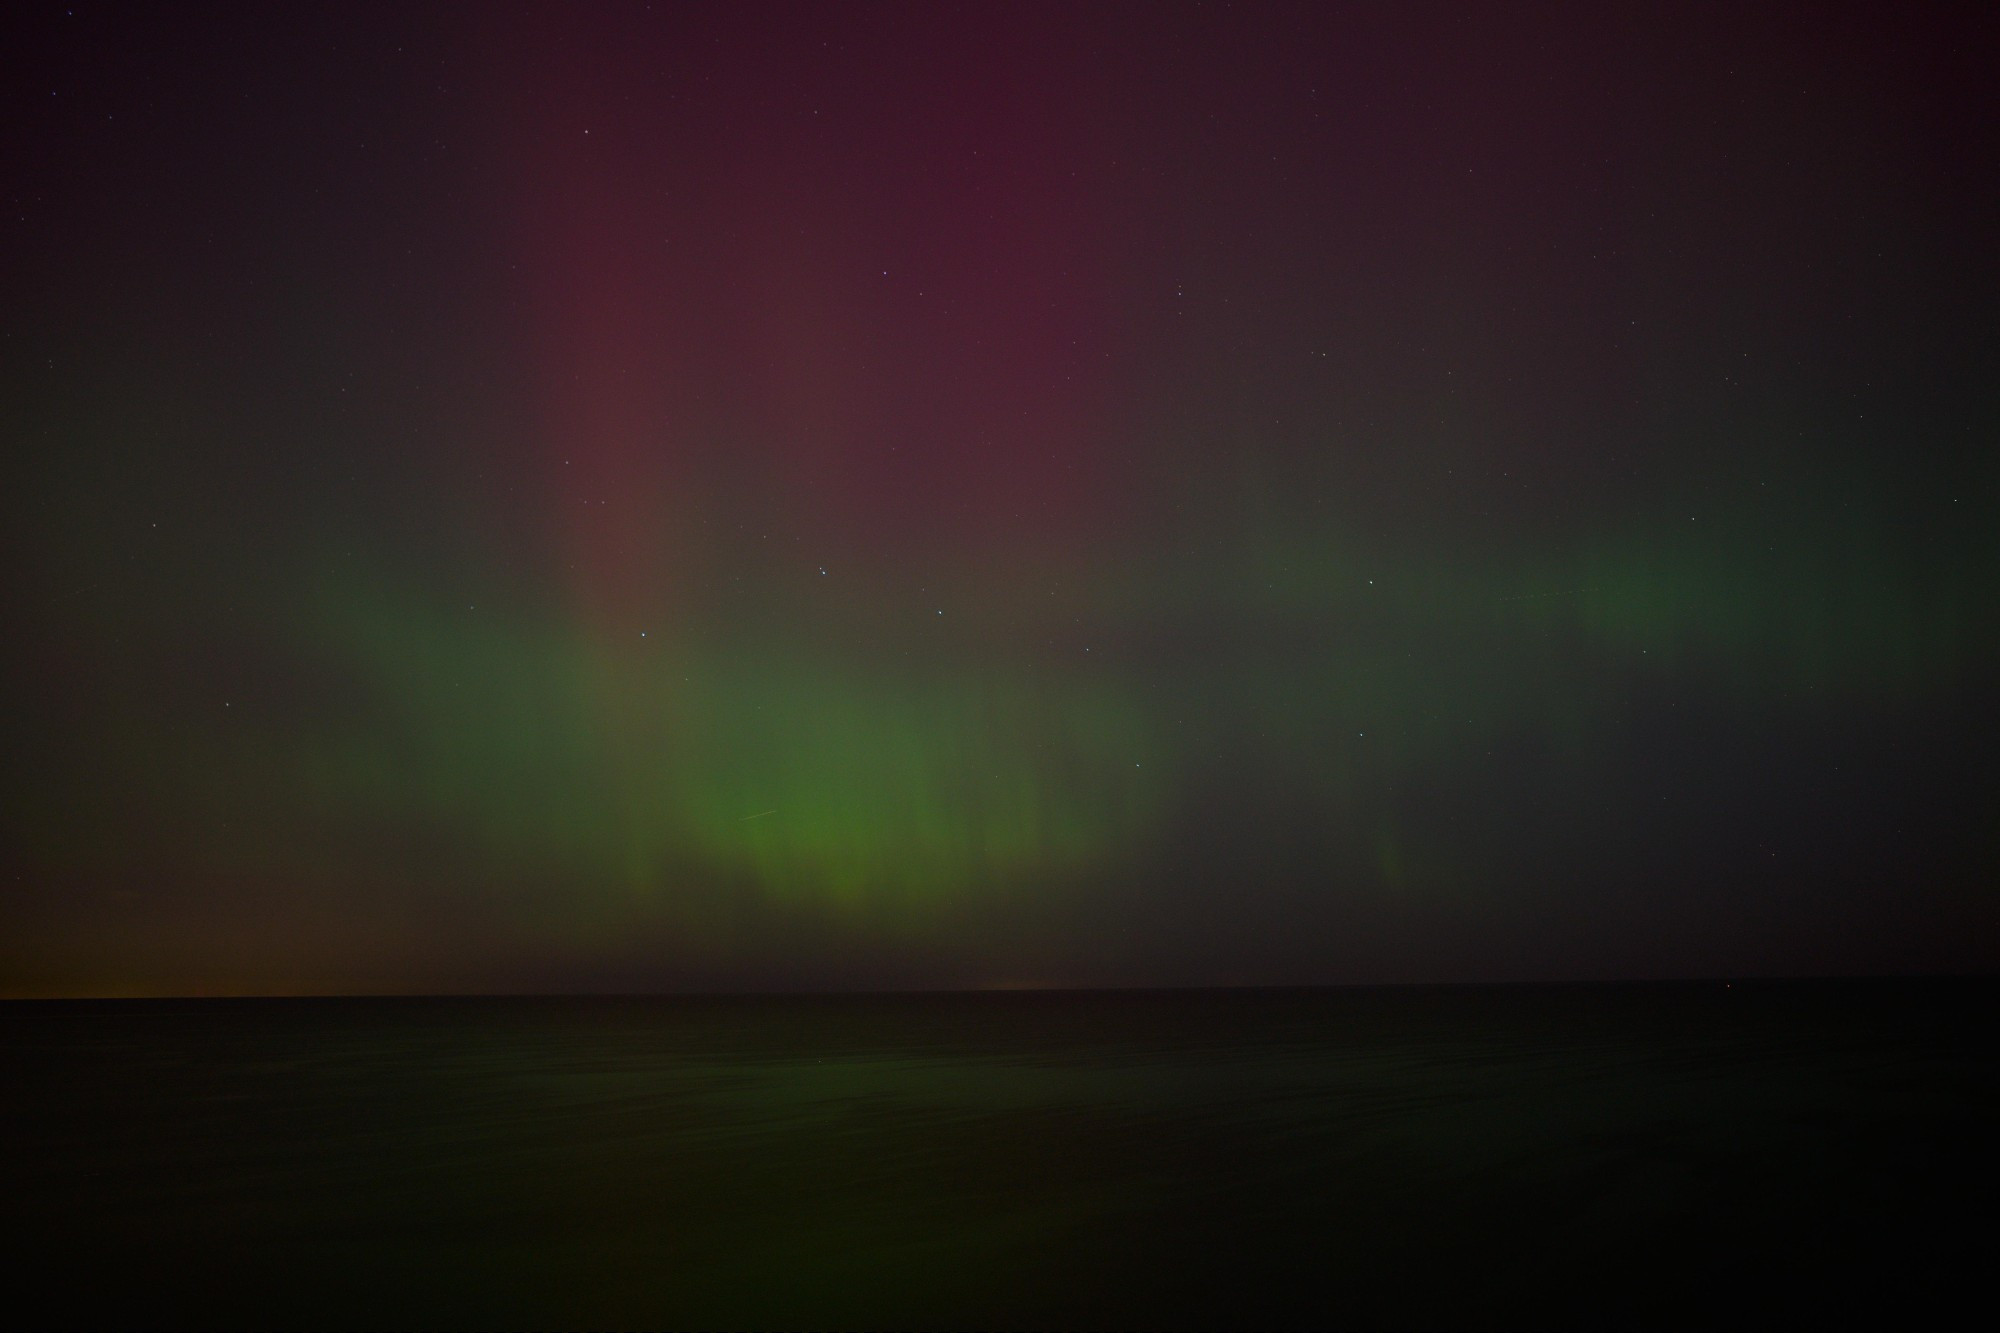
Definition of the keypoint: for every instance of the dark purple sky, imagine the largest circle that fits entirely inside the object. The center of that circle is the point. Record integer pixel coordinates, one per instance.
(611, 497)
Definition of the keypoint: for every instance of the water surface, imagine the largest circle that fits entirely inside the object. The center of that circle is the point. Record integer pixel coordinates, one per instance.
(1667, 1155)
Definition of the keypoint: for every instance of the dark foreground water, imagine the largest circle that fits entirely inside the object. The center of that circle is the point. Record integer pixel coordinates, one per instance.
(1786, 1154)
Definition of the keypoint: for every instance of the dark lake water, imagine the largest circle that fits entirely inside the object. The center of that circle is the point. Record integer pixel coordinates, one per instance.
(1674, 1155)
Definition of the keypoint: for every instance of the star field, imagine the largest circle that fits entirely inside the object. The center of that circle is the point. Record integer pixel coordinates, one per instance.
(700, 497)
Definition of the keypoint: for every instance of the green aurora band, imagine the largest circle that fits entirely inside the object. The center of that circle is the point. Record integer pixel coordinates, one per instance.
(509, 745)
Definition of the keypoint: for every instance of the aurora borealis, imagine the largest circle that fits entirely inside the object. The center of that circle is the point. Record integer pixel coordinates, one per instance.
(512, 498)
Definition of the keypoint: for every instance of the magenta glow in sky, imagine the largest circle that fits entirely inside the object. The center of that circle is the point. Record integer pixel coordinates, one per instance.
(916, 496)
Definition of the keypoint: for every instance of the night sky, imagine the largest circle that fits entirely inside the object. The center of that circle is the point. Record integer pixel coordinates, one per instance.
(642, 497)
